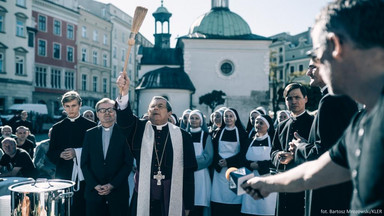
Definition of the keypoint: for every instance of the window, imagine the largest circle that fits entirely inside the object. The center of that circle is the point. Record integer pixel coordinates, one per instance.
(55, 78)
(95, 35)
(69, 80)
(31, 39)
(70, 54)
(105, 60)
(84, 32)
(84, 82)
(42, 48)
(226, 68)
(20, 3)
(114, 52)
(105, 39)
(122, 54)
(1, 22)
(41, 77)
(57, 27)
(123, 37)
(292, 69)
(70, 32)
(19, 65)
(114, 92)
(2, 62)
(94, 84)
(94, 57)
(56, 51)
(42, 23)
(301, 67)
(105, 85)
(83, 54)
(20, 27)
(114, 72)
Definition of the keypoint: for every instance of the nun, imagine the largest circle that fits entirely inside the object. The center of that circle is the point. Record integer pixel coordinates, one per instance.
(184, 119)
(202, 142)
(250, 129)
(217, 121)
(229, 147)
(258, 160)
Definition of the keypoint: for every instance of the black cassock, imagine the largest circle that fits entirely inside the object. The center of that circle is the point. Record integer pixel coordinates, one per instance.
(68, 134)
(289, 203)
(134, 128)
(333, 117)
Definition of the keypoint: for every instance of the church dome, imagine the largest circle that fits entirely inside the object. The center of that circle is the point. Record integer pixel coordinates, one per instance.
(220, 22)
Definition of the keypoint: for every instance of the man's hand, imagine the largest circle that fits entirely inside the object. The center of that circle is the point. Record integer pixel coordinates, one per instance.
(105, 189)
(255, 187)
(98, 188)
(68, 154)
(122, 83)
(295, 142)
(285, 157)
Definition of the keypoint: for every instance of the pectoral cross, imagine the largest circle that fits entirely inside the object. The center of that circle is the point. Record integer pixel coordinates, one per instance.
(159, 177)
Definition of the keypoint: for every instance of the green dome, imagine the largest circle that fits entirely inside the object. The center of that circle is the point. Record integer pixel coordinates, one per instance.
(220, 22)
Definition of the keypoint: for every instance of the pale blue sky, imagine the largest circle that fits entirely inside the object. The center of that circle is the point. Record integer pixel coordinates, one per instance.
(265, 17)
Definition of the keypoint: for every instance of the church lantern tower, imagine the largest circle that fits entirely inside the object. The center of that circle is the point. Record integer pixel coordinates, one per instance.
(162, 35)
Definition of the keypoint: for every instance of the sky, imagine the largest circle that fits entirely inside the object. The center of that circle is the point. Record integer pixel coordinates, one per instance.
(264, 17)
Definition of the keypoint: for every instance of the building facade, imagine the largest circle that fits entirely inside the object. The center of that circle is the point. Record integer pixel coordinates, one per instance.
(17, 54)
(288, 63)
(55, 69)
(94, 57)
(218, 53)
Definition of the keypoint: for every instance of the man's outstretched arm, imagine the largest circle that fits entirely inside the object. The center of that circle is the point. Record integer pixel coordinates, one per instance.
(311, 175)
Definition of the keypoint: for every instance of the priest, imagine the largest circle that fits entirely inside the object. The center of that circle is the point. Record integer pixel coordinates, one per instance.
(164, 155)
(295, 98)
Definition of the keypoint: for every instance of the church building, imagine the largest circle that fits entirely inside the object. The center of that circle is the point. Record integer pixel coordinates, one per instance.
(218, 53)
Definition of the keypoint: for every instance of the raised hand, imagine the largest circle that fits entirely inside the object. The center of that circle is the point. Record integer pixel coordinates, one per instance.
(122, 83)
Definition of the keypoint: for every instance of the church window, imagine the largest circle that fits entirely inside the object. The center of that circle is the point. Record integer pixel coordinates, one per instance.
(227, 68)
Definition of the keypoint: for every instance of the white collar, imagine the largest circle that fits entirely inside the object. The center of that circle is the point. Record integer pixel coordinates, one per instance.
(262, 137)
(295, 117)
(160, 127)
(230, 128)
(107, 128)
(195, 130)
(74, 119)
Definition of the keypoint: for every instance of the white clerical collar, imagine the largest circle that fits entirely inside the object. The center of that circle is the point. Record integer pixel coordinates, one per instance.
(107, 128)
(297, 116)
(74, 119)
(160, 127)
(195, 130)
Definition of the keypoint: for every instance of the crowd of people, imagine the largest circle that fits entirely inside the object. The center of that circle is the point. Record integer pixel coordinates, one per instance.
(304, 164)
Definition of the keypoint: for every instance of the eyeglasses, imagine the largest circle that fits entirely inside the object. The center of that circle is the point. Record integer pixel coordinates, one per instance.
(104, 110)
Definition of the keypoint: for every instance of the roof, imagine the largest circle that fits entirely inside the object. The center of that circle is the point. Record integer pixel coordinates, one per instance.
(163, 56)
(166, 77)
(220, 22)
(162, 14)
